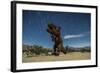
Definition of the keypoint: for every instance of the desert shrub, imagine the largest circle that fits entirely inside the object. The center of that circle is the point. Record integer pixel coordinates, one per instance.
(81, 49)
(85, 50)
(70, 49)
(35, 50)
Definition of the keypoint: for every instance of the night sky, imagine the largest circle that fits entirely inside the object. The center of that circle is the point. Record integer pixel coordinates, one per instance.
(75, 28)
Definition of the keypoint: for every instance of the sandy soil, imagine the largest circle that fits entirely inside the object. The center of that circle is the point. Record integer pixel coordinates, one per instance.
(61, 57)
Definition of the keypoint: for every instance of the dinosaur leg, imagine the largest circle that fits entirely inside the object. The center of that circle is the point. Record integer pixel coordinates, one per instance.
(62, 49)
(55, 52)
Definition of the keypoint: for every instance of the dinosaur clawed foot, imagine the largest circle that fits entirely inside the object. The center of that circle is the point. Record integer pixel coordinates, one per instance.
(56, 53)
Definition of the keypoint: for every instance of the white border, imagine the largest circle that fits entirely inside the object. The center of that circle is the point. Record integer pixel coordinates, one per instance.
(37, 65)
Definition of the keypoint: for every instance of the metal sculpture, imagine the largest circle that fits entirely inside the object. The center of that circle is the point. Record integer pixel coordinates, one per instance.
(55, 33)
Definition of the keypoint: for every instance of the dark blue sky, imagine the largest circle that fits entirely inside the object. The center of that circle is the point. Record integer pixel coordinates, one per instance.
(75, 28)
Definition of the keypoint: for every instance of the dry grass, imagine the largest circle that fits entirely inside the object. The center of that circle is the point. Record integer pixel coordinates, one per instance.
(62, 57)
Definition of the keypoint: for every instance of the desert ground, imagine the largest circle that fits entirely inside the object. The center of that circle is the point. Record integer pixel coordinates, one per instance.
(61, 57)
